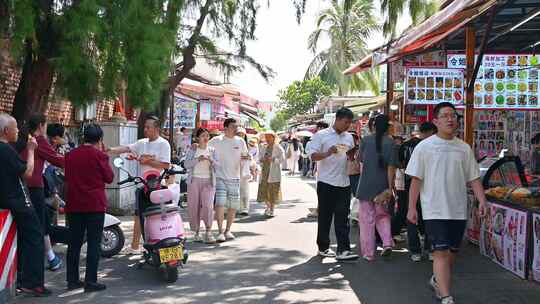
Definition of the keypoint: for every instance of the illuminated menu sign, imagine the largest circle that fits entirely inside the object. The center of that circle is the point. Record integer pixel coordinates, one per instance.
(504, 81)
(432, 86)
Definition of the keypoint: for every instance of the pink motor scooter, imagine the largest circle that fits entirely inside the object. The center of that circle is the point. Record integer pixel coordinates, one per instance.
(164, 235)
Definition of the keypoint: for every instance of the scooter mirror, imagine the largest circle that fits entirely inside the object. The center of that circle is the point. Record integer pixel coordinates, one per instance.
(118, 162)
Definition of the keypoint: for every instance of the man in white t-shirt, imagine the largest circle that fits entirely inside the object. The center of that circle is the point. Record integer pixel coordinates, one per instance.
(329, 149)
(152, 153)
(230, 150)
(441, 167)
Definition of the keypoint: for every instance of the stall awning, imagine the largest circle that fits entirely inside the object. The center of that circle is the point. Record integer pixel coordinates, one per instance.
(373, 104)
(439, 26)
(259, 120)
(364, 64)
(231, 114)
(247, 108)
(451, 18)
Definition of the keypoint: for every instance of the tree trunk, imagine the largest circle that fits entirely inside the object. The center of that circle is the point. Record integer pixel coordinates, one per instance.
(34, 87)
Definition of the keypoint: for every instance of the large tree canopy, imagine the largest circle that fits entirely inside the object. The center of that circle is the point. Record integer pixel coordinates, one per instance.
(347, 24)
(300, 97)
(419, 10)
(91, 47)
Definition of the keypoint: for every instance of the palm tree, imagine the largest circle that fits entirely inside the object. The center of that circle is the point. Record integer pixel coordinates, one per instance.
(419, 10)
(347, 24)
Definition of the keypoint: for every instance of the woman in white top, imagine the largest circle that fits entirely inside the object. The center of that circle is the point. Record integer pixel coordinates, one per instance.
(270, 157)
(201, 163)
(294, 150)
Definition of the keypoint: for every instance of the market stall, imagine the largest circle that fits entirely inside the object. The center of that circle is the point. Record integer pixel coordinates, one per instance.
(506, 234)
(496, 54)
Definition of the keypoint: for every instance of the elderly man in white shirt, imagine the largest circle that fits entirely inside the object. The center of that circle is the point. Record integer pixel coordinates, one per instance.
(329, 148)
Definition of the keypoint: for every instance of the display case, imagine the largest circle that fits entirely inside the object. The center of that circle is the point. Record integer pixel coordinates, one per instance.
(505, 234)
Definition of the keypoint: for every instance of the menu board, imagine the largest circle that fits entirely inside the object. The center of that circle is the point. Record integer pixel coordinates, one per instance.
(184, 114)
(503, 237)
(536, 247)
(433, 86)
(504, 81)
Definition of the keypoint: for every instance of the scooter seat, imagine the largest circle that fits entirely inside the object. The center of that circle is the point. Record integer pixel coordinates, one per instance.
(153, 210)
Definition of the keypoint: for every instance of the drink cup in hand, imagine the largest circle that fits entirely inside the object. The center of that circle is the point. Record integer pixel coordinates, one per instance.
(32, 143)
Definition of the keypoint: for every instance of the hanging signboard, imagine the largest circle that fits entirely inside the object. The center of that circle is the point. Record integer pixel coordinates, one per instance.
(504, 81)
(184, 114)
(206, 111)
(433, 86)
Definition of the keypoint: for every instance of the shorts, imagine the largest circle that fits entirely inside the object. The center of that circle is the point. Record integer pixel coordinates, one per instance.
(228, 193)
(445, 234)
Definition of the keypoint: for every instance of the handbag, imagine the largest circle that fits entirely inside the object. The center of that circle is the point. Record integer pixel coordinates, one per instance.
(385, 199)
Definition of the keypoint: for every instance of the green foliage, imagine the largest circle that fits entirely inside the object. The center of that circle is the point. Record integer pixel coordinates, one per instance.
(213, 21)
(348, 24)
(96, 45)
(279, 122)
(301, 96)
(419, 10)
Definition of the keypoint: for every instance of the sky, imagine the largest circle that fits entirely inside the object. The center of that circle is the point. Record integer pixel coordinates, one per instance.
(282, 45)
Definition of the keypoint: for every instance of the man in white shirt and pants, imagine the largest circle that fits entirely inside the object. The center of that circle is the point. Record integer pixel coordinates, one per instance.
(230, 150)
(329, 148)
(153, 153)
(441, 166)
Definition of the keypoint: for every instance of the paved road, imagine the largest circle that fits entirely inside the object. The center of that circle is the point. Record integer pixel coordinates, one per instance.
(272, 261)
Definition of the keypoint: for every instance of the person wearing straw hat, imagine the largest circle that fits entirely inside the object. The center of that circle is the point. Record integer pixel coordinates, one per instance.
(245, 177)
(271, 157)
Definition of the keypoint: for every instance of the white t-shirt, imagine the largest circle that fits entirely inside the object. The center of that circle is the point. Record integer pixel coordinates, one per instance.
(202, 168)
(444, 167)
(229, 151)
(158, 148)
(333, 169)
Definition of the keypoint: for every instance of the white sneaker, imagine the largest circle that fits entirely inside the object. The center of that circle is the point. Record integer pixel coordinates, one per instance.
(447, 300)
(328, 253)
(131, 251)
(435, 286)
(197, 238)
(209, 238)
(416, 257)
(229, 235)
(271, 213)
(346, 255)
(221, 238)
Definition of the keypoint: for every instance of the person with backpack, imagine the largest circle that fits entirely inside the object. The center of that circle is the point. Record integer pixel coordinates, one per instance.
(427, 129)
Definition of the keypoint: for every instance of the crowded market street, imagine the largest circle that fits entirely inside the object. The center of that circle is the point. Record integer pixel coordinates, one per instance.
(274, 261)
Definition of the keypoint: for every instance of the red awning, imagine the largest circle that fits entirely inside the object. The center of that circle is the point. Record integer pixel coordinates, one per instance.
(439, 26)
(451, 18)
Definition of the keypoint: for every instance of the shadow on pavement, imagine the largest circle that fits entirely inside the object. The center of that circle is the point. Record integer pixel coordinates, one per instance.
(255, 280)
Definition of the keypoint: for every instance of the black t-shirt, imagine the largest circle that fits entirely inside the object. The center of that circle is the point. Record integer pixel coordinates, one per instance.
(405, 151)
(12, 193)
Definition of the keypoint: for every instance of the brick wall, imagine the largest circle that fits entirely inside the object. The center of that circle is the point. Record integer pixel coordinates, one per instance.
(10, 75)
(58, 110)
